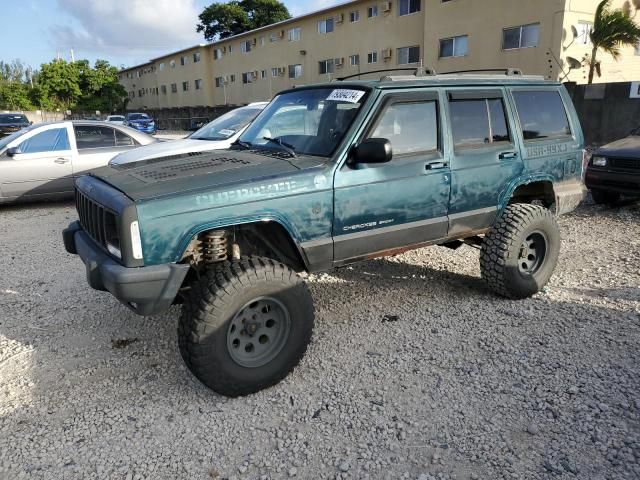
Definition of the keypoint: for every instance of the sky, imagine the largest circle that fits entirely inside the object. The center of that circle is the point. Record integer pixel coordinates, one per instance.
(124, 32)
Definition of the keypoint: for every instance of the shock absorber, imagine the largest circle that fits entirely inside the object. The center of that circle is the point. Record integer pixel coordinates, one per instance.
(214, 246)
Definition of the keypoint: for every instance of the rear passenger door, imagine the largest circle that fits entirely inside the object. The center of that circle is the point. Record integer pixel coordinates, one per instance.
(381, 207)
(96, 145)
(485, 156)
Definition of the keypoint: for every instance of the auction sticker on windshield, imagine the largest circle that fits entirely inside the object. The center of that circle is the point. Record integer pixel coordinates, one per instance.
(344, 95)
(226, 132)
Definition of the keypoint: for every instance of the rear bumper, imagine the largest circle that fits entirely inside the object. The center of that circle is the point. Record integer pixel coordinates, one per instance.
(145, 290)
(620, 182)
(569, 195)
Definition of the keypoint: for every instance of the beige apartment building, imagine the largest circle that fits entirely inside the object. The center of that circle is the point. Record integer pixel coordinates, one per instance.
(543, 37)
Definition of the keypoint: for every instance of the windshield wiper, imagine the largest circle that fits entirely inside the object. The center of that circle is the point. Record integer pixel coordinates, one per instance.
(287, 147)
(243, 144)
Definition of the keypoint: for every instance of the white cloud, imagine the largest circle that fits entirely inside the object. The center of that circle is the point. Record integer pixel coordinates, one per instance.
(127, 27)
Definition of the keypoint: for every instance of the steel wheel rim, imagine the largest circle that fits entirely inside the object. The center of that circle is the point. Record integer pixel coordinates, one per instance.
(258, 332)
(532, 254)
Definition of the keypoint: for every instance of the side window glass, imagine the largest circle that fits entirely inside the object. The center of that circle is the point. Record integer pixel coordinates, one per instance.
(88, 136)
(411, 127)
(123, 140)
(477, 122)
(542, 115)
(53, 140)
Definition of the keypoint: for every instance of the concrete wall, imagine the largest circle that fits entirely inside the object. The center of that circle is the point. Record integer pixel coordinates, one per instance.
(606, 112)
(39, 116)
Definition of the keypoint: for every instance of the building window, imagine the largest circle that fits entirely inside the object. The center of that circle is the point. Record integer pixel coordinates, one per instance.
(174, 88)
(584, 30)
(245, 47)
(354, 60)
(163, 89)
(263, 74)
(273, 37)
(217, 54)
(247, 77)
(185, 86)
(230, 48)
(478, 122)
(372, 57)
(262, 41)
(407, 7)
(232, 78)
(325, 26)
(183, 60)
(523, 36)
(198, 84)
(408, 55)
(372, 11)
(327, 66)
(161, 66)
(274, 72)
(354, 16)
(196, 57)
(219, 82)
(294, 34)
(295, 71)
(454, 47)
(172, 64)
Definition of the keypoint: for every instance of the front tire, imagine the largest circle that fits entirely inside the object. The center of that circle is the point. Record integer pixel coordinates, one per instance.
(245, 325)
(603, 197)
(520, 252)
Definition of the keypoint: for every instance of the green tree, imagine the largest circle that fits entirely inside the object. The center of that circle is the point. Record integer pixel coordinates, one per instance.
(60, 83)
(612, 29)
(100, 87)
(223, 20)
(14, 96)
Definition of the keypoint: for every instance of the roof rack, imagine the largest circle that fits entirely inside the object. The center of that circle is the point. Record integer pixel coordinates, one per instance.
(510, 72)
(417, 72)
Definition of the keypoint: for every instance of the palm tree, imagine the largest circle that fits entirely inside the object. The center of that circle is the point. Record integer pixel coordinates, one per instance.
(611, 30)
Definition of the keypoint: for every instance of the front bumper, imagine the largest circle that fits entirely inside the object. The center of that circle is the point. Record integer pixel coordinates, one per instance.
(145, 129)
(145, 290)
(621, 182)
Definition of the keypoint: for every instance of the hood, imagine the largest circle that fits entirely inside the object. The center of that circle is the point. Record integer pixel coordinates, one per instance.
(13, 126)
(190, 172)
(163, 149)
(628, 147)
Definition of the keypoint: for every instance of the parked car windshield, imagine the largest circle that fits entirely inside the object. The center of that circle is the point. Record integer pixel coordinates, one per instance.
(115, 118)
(227, 125)
(11, 118)
(139, 116)
(308, 121)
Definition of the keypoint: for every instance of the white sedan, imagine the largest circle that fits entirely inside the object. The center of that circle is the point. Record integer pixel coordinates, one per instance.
(216, 135)
(42, 161)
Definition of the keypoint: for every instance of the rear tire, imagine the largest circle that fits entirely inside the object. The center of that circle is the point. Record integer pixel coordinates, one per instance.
(603, 197)
(245, 325)
(520, 252)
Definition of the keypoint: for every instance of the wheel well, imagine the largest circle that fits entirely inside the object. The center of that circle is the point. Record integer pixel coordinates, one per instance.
(541, 191)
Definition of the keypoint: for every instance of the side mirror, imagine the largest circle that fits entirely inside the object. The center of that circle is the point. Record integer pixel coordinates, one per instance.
(373, 150)
(13, 151)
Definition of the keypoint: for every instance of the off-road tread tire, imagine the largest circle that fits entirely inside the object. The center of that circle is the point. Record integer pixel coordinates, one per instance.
(603, 197)
(208, 308)
(500, 250)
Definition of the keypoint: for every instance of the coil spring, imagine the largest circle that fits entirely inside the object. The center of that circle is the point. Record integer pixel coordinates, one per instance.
(215, 246)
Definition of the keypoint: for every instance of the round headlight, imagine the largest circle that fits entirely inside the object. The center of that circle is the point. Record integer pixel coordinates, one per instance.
(599, 161)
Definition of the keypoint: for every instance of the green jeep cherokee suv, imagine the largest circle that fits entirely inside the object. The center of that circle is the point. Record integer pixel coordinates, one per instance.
(328, 175)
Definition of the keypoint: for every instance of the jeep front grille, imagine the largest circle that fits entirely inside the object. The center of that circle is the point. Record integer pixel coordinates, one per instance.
(98, 222)
(625, 163)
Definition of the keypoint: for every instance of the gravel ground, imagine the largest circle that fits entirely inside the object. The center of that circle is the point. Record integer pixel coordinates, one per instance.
(415, 371)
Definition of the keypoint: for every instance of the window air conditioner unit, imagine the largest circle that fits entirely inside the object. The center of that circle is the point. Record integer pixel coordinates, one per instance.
(281, 34)
(339, 18)
(255, 41)
(386, 6)
(386, 53)
(339, 62)
(281, 70)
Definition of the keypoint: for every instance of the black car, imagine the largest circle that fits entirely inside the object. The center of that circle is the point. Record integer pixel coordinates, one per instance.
(614, 170)
(12, 122)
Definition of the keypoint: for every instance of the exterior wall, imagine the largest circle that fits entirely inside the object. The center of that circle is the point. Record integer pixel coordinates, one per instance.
(482, 21)
(626, 69)
(387, 30)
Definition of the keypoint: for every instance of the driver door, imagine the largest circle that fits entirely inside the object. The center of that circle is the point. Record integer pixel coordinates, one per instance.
(382, 207)
(41, 165)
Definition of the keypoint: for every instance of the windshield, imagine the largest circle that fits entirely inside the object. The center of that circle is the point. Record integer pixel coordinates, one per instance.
(139, 116)
(116, 118)
(307, 122)
(227, 125)
(6, 119)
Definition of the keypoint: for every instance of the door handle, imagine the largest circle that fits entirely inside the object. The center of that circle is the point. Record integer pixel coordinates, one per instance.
(435, 165)
(508, 155)
(61, 161)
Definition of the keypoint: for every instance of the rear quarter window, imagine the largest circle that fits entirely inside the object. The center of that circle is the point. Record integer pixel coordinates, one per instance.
(542, 115)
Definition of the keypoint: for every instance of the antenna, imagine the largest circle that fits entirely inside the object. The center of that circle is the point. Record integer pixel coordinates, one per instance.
(73, 58)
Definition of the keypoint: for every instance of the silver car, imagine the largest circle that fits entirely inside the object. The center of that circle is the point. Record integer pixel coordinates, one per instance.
(42, 161)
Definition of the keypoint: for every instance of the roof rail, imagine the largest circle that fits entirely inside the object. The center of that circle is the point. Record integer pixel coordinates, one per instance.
(511, 72)
(417, 72)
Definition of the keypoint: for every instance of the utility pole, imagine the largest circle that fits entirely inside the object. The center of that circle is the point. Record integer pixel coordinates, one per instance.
(73, 58)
